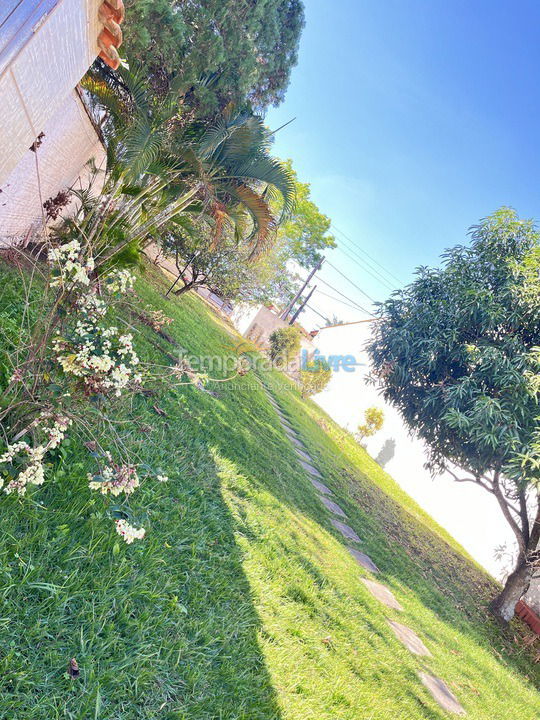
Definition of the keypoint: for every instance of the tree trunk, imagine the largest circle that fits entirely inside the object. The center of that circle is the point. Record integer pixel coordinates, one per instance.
(516, 586)
(184, 289)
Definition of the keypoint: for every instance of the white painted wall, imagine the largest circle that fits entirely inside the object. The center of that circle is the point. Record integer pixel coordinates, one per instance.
(45, 49)
(469, 513)
(70, 141)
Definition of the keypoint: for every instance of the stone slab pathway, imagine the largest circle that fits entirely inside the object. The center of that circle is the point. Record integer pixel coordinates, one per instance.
(409, 638)
(304, 455)
(297, 442)
(312, 470)
(364, 560)
(345, 530)
(441, 693)
(437, 687)
(332, 506)
(321, 487)
(382, 593)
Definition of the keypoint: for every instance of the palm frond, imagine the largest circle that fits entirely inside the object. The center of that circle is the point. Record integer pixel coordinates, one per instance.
(142, 145)
(263, 221)
(274, 172)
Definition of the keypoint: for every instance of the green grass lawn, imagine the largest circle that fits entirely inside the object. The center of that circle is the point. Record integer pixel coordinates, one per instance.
(242, 602)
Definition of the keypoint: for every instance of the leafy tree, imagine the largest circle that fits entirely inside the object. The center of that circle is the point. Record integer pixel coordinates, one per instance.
(284, 344)
(373, 422)
(457, 353)
(218, 51)
(305, 234)
(315, 377)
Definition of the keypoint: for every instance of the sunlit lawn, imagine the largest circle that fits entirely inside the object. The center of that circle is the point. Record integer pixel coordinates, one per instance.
(242, 601)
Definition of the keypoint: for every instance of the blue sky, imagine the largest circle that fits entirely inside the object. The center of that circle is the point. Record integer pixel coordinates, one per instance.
(413, 120)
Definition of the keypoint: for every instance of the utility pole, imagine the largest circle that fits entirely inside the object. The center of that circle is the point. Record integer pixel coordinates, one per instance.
(290, 306)
(297, 313)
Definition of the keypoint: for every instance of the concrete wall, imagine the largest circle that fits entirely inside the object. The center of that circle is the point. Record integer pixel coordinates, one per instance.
(46, 46)
(69, 142)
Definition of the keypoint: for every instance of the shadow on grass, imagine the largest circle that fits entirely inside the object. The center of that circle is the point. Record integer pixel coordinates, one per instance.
(162, 628)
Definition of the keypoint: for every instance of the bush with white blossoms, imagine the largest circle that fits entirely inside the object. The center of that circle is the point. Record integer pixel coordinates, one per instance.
(89, 356)
(67, 266)
(100, 357)
(115, 479)
(22, 464)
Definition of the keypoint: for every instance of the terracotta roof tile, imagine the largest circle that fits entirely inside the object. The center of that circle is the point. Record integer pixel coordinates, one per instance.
(111, 14)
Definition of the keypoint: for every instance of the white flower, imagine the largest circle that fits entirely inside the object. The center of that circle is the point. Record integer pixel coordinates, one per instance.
(128, 532)
(162, 478)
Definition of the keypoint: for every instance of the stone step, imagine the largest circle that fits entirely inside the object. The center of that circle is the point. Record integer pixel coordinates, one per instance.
(332, 506)
(321, 487)
(409, 638)
(345, 530)
(364, 560)
(382, 593)
(441, 693)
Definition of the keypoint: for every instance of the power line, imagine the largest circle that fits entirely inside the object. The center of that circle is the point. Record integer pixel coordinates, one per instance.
(317, 313)
(351, 282)
(378, 277)
(358, 306)
(354, 307)
(367, 254)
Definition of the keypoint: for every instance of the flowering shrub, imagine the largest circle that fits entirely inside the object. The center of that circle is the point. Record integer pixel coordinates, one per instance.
(22, 464)
(67, 268)
(115, 479)
(103, 359)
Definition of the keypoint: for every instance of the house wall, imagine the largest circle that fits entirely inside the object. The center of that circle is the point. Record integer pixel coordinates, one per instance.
(257, 324)
(69, 142)
(46, 46)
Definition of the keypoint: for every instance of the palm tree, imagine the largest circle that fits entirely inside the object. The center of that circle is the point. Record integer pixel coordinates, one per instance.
(159, 165)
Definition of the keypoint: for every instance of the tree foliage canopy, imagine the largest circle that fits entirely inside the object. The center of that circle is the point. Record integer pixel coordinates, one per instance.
(454, 350)
(373, 422)
(305, 233)
(457, 352)
(218, 51)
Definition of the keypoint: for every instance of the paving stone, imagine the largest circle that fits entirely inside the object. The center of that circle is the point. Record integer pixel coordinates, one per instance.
(409, 638)
(364, 560)
(303, 454)
(311, 470)
(321, 487)
(297, 442)
(441, 693)
(345, 530)
(382, 593)
(290, 433)
(332, 506)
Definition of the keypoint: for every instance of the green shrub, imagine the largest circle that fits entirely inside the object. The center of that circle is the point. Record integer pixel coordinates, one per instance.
(373, 422)
(315, 378)
(284, 344)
